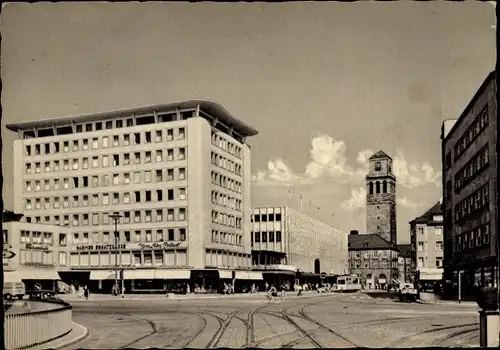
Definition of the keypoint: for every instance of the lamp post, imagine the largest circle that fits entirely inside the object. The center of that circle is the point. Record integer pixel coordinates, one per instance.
(116, 216)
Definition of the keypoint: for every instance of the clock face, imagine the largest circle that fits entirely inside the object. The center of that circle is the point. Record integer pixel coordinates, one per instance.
(378, 166)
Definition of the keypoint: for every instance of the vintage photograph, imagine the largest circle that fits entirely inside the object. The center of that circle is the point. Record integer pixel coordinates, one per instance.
(202, 175)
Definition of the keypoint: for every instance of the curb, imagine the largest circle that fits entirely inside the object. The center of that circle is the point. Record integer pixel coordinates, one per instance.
(440, 302)
(75, 340)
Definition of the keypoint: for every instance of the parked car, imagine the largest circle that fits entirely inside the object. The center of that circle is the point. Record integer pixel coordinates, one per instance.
(13, 290)
(407, 292)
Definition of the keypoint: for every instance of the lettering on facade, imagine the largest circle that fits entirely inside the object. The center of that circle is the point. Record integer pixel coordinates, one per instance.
(159, 245)
(101, 247)
(37, 246)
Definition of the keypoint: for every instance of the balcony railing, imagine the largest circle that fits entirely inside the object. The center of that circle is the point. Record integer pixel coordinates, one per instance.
(27, 329)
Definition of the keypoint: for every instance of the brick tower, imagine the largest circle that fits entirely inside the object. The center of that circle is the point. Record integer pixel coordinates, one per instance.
(381, 198)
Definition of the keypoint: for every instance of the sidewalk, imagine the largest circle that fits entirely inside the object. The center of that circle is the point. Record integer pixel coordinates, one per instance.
(449, 302)
(192, 296)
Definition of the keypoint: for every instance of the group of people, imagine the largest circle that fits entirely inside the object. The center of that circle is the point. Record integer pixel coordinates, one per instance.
(82, 292)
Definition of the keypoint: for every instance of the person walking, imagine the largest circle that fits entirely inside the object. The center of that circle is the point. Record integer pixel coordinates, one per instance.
(299, 289)
(86, 292)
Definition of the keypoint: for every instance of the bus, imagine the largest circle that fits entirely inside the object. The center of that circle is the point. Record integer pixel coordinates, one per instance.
(348, 283)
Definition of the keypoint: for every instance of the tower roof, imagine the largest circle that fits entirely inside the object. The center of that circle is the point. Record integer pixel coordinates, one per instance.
(380, 154)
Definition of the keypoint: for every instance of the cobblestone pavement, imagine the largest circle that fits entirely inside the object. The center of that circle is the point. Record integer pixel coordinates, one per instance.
(333, 320)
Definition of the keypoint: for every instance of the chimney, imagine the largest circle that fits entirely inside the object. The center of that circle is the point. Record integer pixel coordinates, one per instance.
(354, 232)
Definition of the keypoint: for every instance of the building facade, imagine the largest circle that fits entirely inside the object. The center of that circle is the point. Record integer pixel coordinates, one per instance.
(470, 192)
(405, 265)
(38, 251)
(426, 240)
(177, 174)
(286, 239)
(381, 197)
(373, 259)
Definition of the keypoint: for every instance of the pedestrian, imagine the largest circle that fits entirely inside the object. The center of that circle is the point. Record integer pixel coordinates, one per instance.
(266, 286)
(86, 292)
(299, 288)
(80, 292)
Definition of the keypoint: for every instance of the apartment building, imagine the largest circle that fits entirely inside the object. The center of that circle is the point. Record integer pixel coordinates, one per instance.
(177, 174)
(426, 241)
(285, 240)
(39, 250)
(470, 192)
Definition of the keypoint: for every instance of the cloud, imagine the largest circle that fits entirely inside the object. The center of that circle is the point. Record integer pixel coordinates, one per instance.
(405, 202)
(357, 199)
(329, 161)
(415, 174)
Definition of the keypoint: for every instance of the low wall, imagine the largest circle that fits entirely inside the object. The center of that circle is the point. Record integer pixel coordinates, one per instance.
(27, 329)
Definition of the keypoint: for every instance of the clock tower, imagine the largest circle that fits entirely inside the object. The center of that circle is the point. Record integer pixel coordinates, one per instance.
(381, 198)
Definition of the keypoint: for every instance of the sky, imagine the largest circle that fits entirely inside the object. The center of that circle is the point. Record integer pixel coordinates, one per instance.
(325, 84)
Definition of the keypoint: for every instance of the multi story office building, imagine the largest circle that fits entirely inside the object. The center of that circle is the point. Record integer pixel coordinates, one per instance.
(405, 265)
(177, 174)
(426, 240)
(285, 240)
(470, 192)
(36, 251)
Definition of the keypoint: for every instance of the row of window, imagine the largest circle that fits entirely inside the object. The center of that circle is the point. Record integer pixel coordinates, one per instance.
(136, 258)
(157, 215)
(473, 239)
(266, 217)
(437, 230)
(477, 163)
(381, 187)
(225, 145)
(226, 201)
(105, 180)
(105, 161)
(472, 203)
(479, 124)
(137, 236)
(222, 258)
(36, 237)
(115, 198)
(138, 138)
(227, 238)
(370, 254)
(439, 246)
(439, 262)
(225, 164)
(226, 219)
(258, 237)
(226, 182)
(374, 264)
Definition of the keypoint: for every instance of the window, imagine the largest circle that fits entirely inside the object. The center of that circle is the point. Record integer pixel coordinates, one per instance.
(149, 237)
(170, 195)
(85, 144)
(278, 236)
(137, 196)
(126, 178)
(95, 143)
(148, 196)
(182, 134)
(137, 138)
(147, 176)
(147, 157)
(159, 177)
(257, 237)
(170, 174)
(182, 234)
(159, 215)
(171, 234)
(95, 200)
(126, 198)
(159, 195)
(439, 246)
(439, 262)
(170, 154)
(95, 162)
(170, 134)
(105, 199)
(420, 246)
(137, 216)
(116, 141)
(126, 140)
(116, 179)
(105, 161)
(105, 142)
(158, 136)
(159, 235)
(182, 214)
(182, 173)
(137, 177)
(127, 236)
(137, 158)
(116, 198)
(126, 159)
(159, 156)
(105, 180)
(95, 181)
(182, 153)
(170, 214)
(182, 193)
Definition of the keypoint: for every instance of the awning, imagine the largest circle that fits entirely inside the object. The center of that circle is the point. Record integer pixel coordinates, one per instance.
(11, 276)
(224, 274)
(39, 274)
(249, 275)
(151, 274)
(100, 275)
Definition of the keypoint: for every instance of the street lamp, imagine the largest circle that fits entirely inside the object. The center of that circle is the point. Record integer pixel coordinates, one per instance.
(116, 216)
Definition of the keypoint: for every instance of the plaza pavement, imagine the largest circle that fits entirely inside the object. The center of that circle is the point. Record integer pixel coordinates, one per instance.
(326, 320)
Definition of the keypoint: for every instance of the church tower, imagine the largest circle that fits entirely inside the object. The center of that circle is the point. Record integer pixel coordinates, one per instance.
(381, 197)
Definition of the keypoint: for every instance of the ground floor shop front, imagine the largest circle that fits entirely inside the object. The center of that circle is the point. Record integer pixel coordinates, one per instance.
(164, 280)
(464, 281)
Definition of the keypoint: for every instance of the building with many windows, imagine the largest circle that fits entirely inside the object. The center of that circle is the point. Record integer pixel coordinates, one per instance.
(470, 192)
(36, 251)
(285, 240)
(405, 265)
(177, 174)
(426, 240)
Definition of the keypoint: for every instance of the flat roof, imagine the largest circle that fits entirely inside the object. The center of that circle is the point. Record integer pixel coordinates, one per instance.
(213, 108)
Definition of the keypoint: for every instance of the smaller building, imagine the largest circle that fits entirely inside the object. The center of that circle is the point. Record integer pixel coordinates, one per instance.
(405, 266)
(285, 240)
(426, 237)
(39, 250)
(373, 259)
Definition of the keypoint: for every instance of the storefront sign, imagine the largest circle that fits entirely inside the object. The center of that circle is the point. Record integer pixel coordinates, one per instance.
(37, 246)
(101, 247)
(161, 245)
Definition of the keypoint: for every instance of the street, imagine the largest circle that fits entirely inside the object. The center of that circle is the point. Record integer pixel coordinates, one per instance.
(332, 320)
